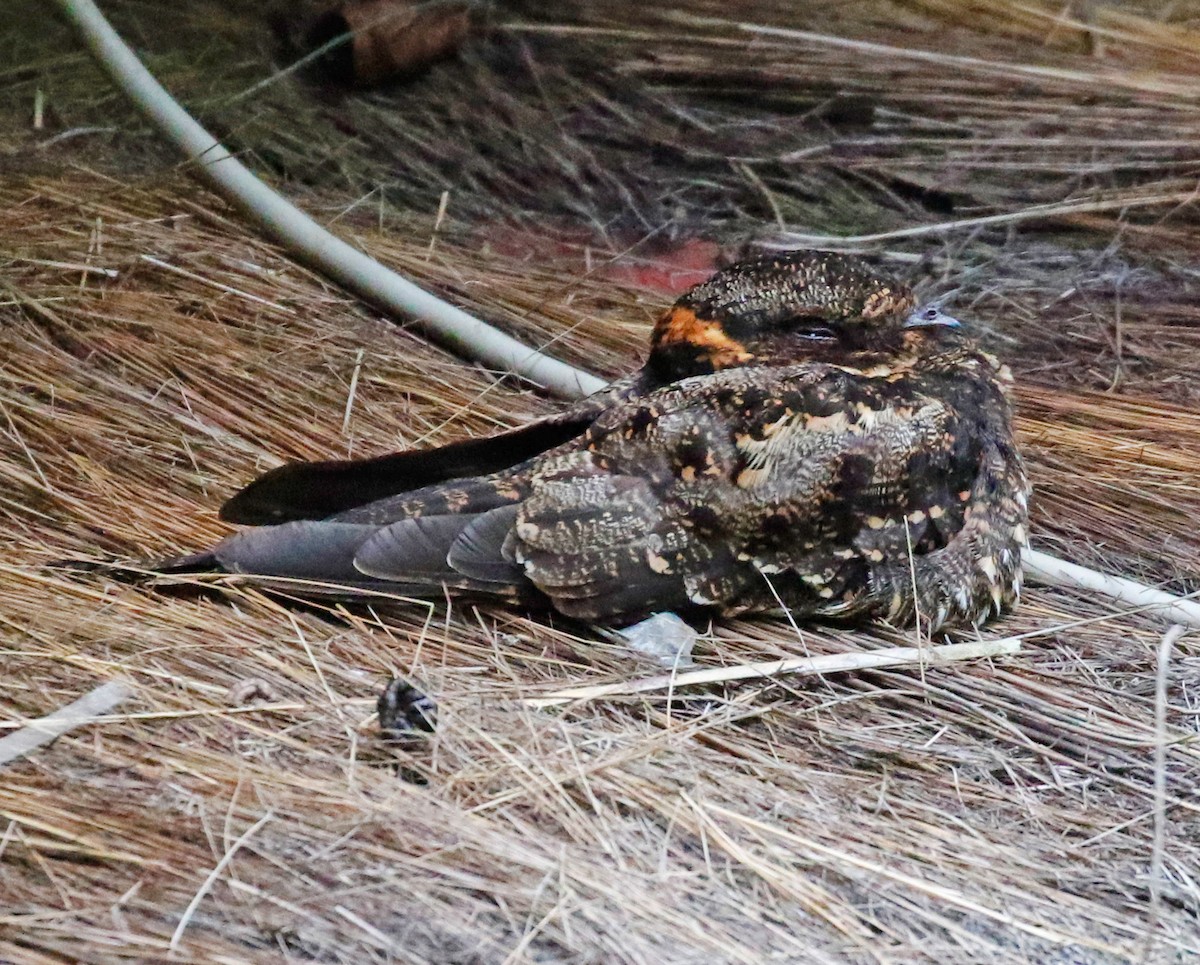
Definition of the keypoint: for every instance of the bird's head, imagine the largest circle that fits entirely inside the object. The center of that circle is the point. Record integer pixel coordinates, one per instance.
(794, 307)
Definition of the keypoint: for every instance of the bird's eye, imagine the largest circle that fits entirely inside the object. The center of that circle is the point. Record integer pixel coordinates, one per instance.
(809, 326)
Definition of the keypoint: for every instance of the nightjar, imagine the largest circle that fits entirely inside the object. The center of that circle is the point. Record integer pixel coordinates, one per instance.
(802, 435)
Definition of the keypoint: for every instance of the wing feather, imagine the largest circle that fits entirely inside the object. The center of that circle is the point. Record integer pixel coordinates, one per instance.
(411, 549)
(481, 551)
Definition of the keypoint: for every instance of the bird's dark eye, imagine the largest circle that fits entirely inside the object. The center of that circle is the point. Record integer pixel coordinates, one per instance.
(817, 333)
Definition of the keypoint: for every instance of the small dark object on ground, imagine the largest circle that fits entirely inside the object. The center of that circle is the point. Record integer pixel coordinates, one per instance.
(405, 712)
(406, 716)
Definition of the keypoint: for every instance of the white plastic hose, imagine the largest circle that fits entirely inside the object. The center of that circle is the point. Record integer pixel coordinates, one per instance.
(1043, 568)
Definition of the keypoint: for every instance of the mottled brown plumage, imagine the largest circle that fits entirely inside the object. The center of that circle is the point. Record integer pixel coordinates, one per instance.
(800, 435)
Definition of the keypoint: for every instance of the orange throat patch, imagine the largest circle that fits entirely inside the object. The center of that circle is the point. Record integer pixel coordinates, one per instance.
(681, 326)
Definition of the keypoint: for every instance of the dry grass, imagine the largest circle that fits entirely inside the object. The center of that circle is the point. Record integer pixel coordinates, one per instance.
(997, 811)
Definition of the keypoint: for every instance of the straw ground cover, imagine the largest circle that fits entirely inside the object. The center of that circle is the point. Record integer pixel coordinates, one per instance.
(240, 807)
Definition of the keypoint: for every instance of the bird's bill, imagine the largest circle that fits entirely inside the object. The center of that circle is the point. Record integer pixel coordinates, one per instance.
(931, 318)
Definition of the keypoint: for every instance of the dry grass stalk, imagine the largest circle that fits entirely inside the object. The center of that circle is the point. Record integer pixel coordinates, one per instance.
(86, 710)
(800, 666)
